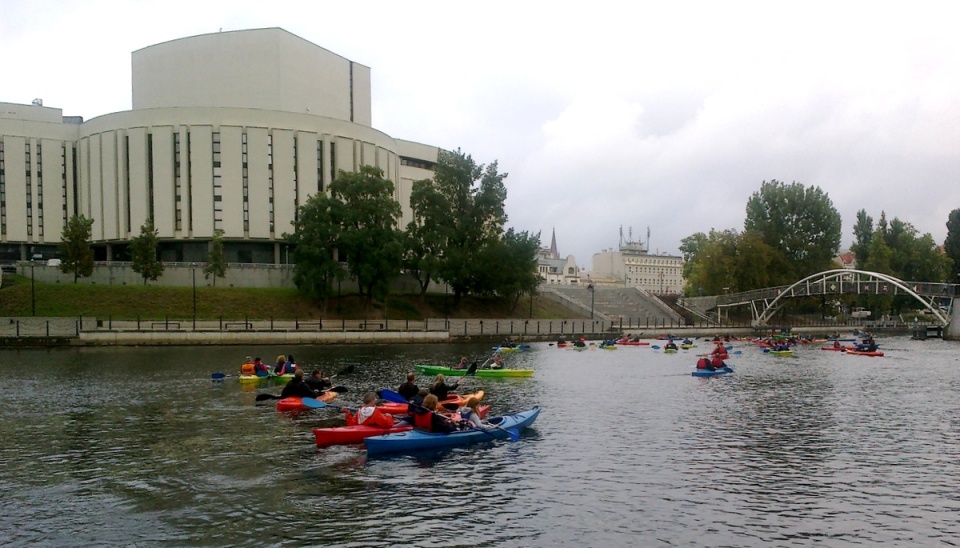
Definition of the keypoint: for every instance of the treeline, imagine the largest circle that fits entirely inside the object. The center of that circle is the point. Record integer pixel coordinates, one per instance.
(792, 231)
(457, 235)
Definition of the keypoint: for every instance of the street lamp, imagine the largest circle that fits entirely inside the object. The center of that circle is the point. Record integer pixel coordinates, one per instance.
(193, 275)
(33, 291)
(592, 295)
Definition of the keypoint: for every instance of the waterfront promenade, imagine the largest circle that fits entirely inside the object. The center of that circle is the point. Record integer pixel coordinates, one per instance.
(89, 331)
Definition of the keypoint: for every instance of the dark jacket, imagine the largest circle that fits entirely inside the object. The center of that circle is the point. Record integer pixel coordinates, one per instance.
(408, 390)
(441, 390)
(297, 387)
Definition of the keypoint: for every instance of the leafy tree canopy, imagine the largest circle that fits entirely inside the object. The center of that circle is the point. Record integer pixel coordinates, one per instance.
(143, 253)
(76, 255)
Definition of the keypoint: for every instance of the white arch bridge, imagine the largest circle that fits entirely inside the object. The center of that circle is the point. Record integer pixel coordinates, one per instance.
(764, 303)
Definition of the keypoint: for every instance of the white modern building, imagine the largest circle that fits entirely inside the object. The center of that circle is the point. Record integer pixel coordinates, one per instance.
(633, 266)
(229, 131)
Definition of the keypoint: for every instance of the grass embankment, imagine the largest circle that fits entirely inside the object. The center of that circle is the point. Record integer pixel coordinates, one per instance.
(156, 302)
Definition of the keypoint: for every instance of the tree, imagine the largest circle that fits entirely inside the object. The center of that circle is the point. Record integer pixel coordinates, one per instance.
(862, 231)
(314, 242)
(880, 257)
(951, 245)
(75, 253)
(216, 260)
(800, 223)
(373, 245)
(470, 198)
(516, 272)
(143, 253)
(425, 236)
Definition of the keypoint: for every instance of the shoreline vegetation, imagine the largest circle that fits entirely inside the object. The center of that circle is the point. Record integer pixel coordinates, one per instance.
(18, 298)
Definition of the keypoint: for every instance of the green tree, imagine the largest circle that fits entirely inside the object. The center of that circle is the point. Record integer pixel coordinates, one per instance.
(951, 245)
(800, 223)
(425, 235)
(316, 232)
(75, 253)
(511, 270)
(756, 262)
(880, 258)
(862, 232)
(143, 253)
(216, 260)
(369, 237)
(470, 198)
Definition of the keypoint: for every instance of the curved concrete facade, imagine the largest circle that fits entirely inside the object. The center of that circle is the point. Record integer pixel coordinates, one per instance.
(230, 131)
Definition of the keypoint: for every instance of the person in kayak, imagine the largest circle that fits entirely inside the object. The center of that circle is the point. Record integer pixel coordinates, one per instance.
(470, 413)
(260, 369)
(703, 363)
(670, 345)
(297, 387)
(369, 415)
(462, 364)
(441, 389)
(716, 363)
(409, 389)
(290, 364)
(280, 367)
(427, 417)
(248, 368)
(318, 382)
(497, 362)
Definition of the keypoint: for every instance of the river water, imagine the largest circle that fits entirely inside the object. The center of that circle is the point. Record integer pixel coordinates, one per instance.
(121, 446)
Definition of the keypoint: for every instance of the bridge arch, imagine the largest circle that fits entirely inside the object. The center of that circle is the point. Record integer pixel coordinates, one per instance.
(832, 282)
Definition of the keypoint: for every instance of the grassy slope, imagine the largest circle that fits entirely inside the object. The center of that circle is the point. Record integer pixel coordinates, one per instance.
(129, 302)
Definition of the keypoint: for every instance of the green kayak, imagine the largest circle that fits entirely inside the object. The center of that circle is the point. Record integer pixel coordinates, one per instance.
(450, 372)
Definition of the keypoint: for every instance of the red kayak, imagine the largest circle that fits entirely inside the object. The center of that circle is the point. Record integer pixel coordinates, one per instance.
(839, 348)
(625, 342)
(874, 353)
(342, 435)
(295, 403)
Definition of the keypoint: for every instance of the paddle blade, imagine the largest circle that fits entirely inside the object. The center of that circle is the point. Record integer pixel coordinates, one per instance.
(262, 397)
(473, 370)
(313, 403)
(218, 376)
(391, 396)
(512, 433)
(655, 347)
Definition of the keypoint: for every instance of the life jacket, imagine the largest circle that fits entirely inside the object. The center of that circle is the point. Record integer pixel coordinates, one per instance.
(247, 369)
(423, 420)
(717, 362)
(702, 363)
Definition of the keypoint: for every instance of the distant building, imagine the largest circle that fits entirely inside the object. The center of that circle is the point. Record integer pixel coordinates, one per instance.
(553, 269)
(633, 266)
(229, 131)
(846, 259)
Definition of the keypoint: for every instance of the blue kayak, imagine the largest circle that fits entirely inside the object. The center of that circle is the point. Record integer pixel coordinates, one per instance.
(708, 373)
(418, 440)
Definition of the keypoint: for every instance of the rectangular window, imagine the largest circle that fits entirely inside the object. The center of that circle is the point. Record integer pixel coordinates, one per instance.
(245, 180)
(319, 166)
(333, 161)
(178, 213)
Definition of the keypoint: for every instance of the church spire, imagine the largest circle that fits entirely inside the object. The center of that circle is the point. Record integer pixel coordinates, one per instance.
(553, 245)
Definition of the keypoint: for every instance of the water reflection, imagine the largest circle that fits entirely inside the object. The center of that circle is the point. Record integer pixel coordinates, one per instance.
(138, 445)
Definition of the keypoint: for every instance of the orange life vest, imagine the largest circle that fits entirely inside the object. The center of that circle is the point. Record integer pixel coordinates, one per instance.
(247, 369)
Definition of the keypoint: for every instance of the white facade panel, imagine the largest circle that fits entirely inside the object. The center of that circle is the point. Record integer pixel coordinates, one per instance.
(258, 182)
(96, 185)
(14, 159)
(284, 193)
(201, 181)
(368, 154)
(231, 179)
(109, 183)
(306, 166)
(139, 205)
(344, 155)
(164, 218)
(52, 181)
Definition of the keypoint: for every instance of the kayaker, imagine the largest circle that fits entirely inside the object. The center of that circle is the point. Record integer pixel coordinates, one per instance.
(441, 389)
(497, 362)
(318, 382)
(247, 368)
(836, 343)
(470, 412)
(369, 415)
(462, 364)
(260, 369)
(703, 363)
(297, 387)
(670, 346)
(290, 364)
(716, 363)
(279, 368)
(427, 418)
(408, 389)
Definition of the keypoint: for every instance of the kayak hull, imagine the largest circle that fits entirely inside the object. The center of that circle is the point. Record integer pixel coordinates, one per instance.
(345, 435)
(488, 373)
(416, 440)
(782, 353)
(715, 373)
(622, 342)
(875, 353)
(295, 403)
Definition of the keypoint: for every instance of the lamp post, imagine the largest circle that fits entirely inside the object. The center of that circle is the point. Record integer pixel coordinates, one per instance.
(33, 291)
(592, 295)
(193, 275)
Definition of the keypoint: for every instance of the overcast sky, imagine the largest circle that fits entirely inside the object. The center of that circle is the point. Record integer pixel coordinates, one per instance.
(666, 115)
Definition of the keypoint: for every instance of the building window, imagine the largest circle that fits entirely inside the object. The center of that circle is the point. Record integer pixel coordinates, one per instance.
(28, 164)
(246, 182)
(333, 161)
(319, 166)
(3, 193)
(177, 191)
(270, 178)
